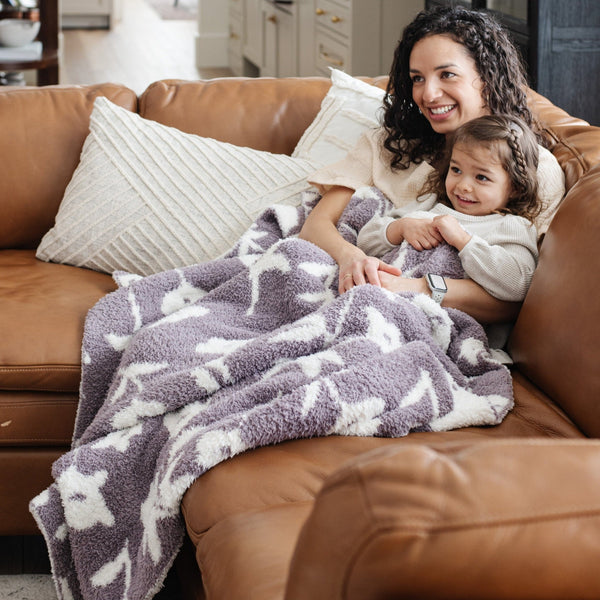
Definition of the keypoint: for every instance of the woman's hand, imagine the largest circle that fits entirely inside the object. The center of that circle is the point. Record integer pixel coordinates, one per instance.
(356, 267)
(360, 269)
(395, 283)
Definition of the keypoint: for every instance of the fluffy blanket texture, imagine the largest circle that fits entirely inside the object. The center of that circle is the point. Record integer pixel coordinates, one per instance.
(186, 368)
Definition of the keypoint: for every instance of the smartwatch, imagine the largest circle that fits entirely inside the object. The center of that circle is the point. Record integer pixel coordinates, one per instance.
(437, 285)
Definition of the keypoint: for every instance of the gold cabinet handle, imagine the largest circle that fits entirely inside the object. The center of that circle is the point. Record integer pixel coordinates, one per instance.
(319, 11)
(332, 61)
(336, 19)
(272, 19)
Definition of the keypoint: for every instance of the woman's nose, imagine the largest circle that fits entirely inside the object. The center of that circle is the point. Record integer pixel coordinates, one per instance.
(431, 91)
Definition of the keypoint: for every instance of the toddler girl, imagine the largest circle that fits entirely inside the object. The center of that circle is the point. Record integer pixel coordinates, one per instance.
(482, 203)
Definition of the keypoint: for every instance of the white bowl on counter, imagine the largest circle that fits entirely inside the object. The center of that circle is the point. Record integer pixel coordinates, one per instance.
(18, 32)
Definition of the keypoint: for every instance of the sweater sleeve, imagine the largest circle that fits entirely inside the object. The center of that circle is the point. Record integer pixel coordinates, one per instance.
(353, 171)
(372, 238)
(505, 264)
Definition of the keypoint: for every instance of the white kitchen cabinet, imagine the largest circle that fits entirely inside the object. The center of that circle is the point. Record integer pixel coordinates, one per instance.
(359, 36)
(280, 44)
(88, 13)
(252, 30)
(306, 37)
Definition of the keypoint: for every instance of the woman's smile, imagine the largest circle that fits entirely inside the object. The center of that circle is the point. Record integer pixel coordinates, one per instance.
(439, 113)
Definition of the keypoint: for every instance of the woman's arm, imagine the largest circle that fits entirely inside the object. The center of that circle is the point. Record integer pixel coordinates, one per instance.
(463, 294)
(320, 228)
(357, 268)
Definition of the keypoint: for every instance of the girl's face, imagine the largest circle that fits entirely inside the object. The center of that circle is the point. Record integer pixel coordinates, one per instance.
(446, 85)
(477, 183)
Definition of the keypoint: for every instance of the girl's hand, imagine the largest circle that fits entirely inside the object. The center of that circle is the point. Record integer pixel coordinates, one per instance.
(421, 234)
(363, 269)
(452, 231)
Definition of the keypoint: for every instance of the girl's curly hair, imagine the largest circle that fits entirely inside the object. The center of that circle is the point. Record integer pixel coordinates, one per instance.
(409, 136)
(515, 147)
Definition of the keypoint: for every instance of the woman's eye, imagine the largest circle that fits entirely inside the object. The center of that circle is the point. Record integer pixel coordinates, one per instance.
(448, 74)
(417, 79)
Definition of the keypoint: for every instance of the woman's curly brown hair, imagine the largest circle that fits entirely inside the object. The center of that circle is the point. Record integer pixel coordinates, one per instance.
(409, 136)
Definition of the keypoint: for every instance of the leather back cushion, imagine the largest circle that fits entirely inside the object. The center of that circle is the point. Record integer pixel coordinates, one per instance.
(555, 340)
(264, 113)
(43, 130)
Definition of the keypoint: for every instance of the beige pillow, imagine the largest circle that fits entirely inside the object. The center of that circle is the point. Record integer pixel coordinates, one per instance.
(147, 198)
(350, 108)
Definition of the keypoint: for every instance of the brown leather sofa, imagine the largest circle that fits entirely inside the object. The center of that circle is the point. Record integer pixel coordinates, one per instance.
(511, 511)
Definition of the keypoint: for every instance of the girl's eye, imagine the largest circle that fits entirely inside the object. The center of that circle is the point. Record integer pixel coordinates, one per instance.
(455, 170)
(482, 178)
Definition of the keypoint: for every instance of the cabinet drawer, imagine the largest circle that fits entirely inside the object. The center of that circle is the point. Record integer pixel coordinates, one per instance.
(334, 16)
(330, 52)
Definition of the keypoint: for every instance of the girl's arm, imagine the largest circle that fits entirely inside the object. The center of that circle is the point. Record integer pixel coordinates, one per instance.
(320, 228)
(511, 248)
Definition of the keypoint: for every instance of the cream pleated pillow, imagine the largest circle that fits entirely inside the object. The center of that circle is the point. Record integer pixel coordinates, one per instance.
(146, 198)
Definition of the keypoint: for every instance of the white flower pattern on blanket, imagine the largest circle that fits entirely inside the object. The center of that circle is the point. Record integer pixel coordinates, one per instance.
(189, 367)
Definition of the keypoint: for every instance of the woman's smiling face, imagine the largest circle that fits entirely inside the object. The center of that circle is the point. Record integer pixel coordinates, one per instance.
(445, 83)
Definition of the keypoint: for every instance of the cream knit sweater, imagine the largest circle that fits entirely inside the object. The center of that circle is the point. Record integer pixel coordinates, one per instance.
(501, 255)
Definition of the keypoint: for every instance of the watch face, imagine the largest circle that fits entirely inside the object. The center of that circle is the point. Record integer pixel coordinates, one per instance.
(437, 282)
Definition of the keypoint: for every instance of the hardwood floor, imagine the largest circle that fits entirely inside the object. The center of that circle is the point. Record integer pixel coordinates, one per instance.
(139, 49)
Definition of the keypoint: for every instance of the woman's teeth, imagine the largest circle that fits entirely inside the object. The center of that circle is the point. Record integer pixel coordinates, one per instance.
(441, 110)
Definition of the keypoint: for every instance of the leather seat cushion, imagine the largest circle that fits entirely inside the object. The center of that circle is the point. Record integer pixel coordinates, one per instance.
(43, 308)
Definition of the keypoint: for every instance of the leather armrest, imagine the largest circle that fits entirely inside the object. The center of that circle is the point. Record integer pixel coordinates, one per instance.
(507, 519)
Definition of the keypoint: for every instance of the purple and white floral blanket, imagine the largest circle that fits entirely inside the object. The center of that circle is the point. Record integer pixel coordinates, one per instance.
(186, 368)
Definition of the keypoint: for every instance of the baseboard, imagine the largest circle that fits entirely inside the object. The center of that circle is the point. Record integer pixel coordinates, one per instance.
(21, 554)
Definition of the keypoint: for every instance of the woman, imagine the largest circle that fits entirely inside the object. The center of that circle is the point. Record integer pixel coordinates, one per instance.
(451, 65)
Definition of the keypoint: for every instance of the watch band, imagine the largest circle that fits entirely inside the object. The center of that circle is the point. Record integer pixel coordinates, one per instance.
(437, 295)
(437, 285)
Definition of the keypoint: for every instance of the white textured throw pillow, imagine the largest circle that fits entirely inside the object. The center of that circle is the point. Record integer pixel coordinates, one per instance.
(146, 198)
(350, 107)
